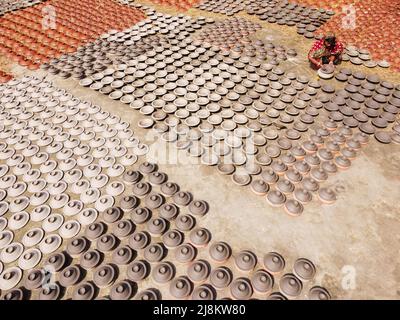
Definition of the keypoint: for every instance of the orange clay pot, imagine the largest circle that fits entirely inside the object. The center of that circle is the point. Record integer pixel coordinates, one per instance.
(21, 32)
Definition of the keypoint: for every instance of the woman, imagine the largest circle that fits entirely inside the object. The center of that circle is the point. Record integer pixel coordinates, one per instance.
(326, 51)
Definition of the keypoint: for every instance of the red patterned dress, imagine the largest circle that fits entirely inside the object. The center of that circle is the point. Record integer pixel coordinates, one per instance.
(320, 54)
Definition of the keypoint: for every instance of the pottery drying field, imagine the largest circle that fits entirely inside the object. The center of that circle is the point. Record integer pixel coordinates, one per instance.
(186, 150)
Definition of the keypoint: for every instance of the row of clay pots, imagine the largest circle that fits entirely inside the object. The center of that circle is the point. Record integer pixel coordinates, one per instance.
(325, 4)
(178, 4)
(85, 9)
(24, 41)
(104, 20)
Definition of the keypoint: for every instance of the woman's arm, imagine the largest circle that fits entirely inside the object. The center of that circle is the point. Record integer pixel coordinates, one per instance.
(311, 54)
(314, 61)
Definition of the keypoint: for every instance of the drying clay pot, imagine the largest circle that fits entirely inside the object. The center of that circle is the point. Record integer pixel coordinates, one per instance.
(198, 271)
(285, 186)
(310, 184)
(185, 222)
(154, 200)
(137, 270)
(11, 252)
(104, 276)
(276, 296)
(141, 215)
(294, 207)
(383, 137)
(221, 277)
(259, 187)
(50, 243)
(226, 169)
(106, 242)
(327, 195)
(10, 278)
(325, 154)
(90, 259)
(157, 226)
(95, 230)
(149, 294)
(198, 207)
(123, 228)
(276, 198)
(269, 176)
(122, 290)
(302, 195)
(262, 281)
(131, 177)
(122, 255)
(181, 288)
(141, 189)
(200, 237)
(115, 188)
(245, 260)
(318, 293)
(326, 71)
(112, 215)
(154, 252)
(169, 189)
(274, 262)
(70, 276)
(147, 167)
(77, 246)
(290, 286)
(57, 261)
(163, 272)
(329, 167)
(29, 259)
(157, 178)
(220, 252)
(312, 159)
(172, 238)
(241, 289)
(16, 294)
(319, 174)
(84, 291)
(241, 179)
(203, 292)
(69, 229)
(279, 167)
(185, 253)
(169, 211)
(18, 220)
(182, 198)
(50, 293)
(139, 240)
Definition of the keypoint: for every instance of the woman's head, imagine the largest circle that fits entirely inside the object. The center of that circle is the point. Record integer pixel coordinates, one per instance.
(330, 40)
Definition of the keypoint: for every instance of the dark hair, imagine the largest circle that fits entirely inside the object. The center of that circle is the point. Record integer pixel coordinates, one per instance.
(331, 39)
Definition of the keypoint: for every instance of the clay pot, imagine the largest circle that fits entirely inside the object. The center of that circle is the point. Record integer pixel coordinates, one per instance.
(290, 286)
(181, 288)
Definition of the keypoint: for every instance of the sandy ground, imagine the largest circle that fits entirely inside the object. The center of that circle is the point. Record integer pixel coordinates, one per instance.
(354, 243)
